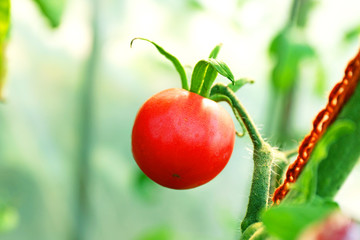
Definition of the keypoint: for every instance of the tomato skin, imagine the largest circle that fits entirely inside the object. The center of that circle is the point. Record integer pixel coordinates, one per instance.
(182, 140)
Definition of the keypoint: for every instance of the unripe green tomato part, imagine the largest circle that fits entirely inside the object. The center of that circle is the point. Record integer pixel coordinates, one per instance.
(182, 140)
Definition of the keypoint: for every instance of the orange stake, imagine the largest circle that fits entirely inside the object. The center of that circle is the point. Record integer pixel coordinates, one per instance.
(338, 97)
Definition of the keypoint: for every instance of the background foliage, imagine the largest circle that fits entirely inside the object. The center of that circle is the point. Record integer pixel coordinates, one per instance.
(49, 68)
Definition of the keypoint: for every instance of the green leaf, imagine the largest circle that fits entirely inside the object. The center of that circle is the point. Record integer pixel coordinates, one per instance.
(215, 51)
(288, 51)
(144, 186)
(352, 34)
(305, 188)
(344, 153)
(2, 72)
(195, 4)
(52, 10)
(303, 11)
(222, 68)
(179, 68)
(320, 82)
(239, 83)
(8, 218)
(204, 75)
(4, 19)
(160, 233)
(304, 50)
(285, 67)
(198, 76)
(287, 221)
(4, 31)
(278, 42)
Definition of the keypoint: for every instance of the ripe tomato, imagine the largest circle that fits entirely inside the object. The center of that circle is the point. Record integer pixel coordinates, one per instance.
(182, 140)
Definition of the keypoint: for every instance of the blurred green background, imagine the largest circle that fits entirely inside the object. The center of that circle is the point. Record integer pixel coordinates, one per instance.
(73, 92)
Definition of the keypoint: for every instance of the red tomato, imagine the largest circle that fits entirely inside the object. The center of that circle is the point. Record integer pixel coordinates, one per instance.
(182, 140)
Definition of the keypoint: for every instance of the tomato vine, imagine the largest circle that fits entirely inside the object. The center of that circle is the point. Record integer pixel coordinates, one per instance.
(203, 77)
(313, 190)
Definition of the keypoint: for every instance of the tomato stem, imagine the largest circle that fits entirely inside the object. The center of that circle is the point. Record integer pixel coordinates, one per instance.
(86, 123)
(263, 157)
(260, 186)
(218, 92)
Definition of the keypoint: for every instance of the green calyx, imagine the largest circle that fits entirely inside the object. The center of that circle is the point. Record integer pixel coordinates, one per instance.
(203, 77)
(204, 73)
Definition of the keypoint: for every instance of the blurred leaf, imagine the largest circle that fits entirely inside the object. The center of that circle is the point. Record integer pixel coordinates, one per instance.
(23, 201)
(4, 30)
(287, 221)
(8, 218)
(2, 72)
(304, 50)
(288, 51)
(144, 186)
(195, 4)
(241, 3)
(320, 80)
(161, 233)
(4, 19)
(305, 8)
(52, 10)
(286, 63)
(352, 34)
(179, 68)
(278, 42)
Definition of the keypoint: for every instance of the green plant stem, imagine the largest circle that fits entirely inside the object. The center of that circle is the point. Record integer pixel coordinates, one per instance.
(219, 98)
(294, 12)
(263, 157)
(272, 115)
(218, 91)
(281, 103)
(286, 114)
(85, 130)
(259, 192)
